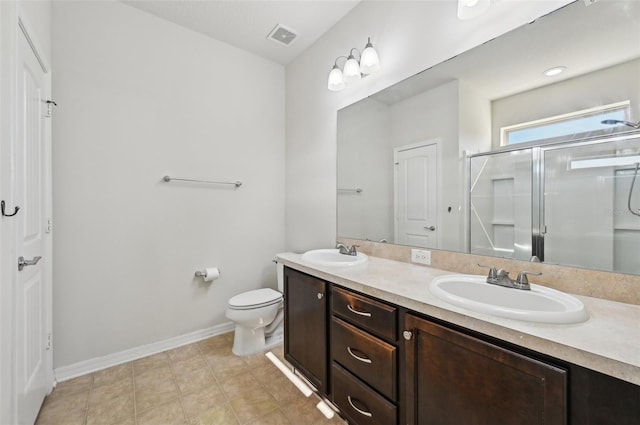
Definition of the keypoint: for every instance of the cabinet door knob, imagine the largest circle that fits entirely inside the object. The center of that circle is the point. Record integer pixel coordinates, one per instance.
(407, 335)
(320, 295)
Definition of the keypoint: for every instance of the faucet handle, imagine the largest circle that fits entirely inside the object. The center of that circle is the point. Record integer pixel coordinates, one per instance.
(522, 277)
(502, 273)
(342, 248)
(493, 272)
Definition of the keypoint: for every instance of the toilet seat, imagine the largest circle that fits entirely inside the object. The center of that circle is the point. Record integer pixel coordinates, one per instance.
(255, 299)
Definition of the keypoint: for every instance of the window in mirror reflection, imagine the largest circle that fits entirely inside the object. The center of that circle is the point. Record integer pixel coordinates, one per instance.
(566, 126)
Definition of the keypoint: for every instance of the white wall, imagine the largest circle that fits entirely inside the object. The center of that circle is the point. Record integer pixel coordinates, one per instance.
(365, 161)
(139, 98)
(409, 36)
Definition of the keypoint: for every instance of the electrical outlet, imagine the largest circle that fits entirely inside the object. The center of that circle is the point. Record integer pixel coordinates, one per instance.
(421, 256)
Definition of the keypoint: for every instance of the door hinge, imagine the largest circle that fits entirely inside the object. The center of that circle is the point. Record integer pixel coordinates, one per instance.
(50, 105)
(49, 228)
(49, 341)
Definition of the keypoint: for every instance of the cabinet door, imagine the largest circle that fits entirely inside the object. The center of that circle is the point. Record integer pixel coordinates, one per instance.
(305, 326)
(453, 378)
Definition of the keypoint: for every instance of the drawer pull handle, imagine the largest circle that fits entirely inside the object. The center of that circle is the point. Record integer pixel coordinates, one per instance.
(359, 313)
(355, 356)
(362, 412)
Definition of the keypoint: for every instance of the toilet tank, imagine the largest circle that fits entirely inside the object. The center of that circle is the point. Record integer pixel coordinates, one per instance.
(280, 275)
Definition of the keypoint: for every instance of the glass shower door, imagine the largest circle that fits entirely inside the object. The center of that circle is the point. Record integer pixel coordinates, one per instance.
(586, 217)
(501, 204)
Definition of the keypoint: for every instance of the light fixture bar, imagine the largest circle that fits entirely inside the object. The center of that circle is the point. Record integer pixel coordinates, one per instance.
(299, 383)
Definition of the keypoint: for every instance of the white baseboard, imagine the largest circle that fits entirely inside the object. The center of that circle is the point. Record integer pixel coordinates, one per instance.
(65, 373)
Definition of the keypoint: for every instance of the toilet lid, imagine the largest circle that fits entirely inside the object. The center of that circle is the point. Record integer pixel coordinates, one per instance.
(256, 298)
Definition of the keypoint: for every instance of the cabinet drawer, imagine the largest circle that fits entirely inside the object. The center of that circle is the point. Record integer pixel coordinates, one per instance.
(377, 317)
(359, 403)
(369, 358)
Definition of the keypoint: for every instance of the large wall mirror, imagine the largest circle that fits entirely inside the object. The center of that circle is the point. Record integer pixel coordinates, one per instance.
(486, 153)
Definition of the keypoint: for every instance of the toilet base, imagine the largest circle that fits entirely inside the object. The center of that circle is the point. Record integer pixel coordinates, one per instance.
(251, 341)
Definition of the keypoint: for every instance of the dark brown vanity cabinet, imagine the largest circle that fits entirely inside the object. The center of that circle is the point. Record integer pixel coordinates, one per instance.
(454, 378)
(381, 364)
(364, 358)
(305, 326)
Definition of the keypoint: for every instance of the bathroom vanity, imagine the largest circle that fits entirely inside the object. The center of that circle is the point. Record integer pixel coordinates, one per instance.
(374, 342)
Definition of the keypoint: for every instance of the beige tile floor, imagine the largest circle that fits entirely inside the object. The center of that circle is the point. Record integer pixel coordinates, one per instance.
(198, 384)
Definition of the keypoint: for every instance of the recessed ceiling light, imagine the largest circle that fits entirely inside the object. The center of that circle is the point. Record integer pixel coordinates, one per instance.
(554, 71)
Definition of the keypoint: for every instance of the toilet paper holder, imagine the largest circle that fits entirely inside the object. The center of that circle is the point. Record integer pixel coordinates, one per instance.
(204, 273)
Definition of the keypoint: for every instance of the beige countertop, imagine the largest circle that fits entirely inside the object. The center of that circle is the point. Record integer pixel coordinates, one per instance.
(609, 342)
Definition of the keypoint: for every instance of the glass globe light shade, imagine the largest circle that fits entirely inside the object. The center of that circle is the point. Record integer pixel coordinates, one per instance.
(351, 70)
(369, 62)
(469, 9)
(336, 79)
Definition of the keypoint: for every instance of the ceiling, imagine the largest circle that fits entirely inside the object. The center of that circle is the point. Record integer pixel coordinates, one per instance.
(246, 24)
(514, 62)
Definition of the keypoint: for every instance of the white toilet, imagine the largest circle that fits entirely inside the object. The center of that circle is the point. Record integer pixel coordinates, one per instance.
(258, 316)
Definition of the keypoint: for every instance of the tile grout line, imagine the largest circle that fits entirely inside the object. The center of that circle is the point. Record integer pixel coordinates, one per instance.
(224, 393)
(86, 406)
(135, 407)
(175, 382)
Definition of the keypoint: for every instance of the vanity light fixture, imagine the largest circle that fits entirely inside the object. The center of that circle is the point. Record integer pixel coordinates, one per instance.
(556, 70)
(469, 9)
(353, 70)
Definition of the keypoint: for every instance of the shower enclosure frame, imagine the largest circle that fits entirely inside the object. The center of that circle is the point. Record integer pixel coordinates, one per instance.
(538, 152)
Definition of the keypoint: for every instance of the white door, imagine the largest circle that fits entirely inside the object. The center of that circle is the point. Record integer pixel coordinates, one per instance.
(416, 195)
(33, 294)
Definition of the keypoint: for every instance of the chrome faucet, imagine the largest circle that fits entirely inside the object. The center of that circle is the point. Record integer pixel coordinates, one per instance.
(501, 277)
(343, 249)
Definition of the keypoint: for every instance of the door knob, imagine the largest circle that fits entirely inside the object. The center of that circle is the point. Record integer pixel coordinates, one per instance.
(432, 228)
(22, 262)
(407, 335)
(320, 295)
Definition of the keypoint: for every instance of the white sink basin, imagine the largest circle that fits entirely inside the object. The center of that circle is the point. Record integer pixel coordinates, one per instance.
(540, 304)
(332, 257)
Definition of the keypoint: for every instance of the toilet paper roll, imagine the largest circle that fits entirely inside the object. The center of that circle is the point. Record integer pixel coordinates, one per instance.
(211, 274)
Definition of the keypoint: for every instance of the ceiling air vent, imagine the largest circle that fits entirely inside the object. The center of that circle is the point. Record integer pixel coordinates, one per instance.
(282, 35)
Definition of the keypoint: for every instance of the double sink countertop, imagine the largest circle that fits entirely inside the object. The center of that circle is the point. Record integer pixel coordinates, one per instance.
(609, 342)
